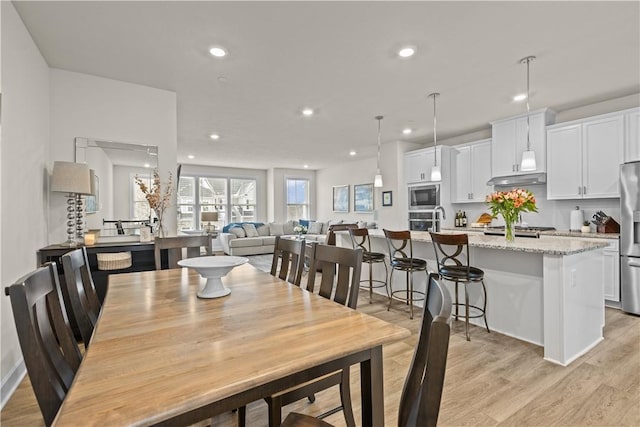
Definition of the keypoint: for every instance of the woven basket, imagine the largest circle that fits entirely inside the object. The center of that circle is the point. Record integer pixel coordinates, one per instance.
(114, 261)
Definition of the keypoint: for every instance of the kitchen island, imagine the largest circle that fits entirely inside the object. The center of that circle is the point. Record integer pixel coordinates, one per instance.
(547, 291)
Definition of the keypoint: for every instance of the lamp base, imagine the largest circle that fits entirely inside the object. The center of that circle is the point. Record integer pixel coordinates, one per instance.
(70, 243)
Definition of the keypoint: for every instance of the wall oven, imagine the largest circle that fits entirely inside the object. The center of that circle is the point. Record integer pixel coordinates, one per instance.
(424, 197)
(424, 221)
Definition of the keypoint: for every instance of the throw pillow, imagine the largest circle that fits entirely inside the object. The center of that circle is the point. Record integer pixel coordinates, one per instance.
(372, 225)
(250, 229)
(304, 222)
(362, 224)
(238, 231)
(288, 227)
(315, 228)
(335, 222)
(263, 230)
(276, 229)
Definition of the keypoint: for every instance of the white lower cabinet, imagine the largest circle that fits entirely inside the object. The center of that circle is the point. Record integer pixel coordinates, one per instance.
(471, 165)
(611, 277)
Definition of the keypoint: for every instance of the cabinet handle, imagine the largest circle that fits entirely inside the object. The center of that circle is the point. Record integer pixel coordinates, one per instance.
(584, 191)
(579, 189)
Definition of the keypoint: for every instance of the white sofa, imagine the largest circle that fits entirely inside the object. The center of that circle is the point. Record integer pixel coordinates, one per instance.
(236, 242)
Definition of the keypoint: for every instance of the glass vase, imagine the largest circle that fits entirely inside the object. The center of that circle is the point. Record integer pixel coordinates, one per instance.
(508, 231)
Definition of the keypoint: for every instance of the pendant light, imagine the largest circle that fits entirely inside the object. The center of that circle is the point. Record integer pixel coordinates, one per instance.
(377, 181)
(436, 173)
(528, 162)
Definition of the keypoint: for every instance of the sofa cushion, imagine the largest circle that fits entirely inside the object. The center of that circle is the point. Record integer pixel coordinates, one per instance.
(246, 242)
(238, 232)
(276, 229)
(263, 230)
(335, 222)
(288, 227)
(314, 228)
(250, 230)
(268, 240)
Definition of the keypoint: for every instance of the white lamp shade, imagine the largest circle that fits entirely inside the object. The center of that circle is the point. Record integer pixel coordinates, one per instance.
(528, 161)
(436, 174)
(70, 177)
(92, 177)
(377, 181)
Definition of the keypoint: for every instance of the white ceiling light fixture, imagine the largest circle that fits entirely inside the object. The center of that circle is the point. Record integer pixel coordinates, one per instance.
(407, 51)
(352, 153)
(528, 162)
(407, 131)
(214, 136)
(520, 97)
(191, 156)
(307, 112)
(218, 52)
(377, 180)
(436, 172)
(305, 166)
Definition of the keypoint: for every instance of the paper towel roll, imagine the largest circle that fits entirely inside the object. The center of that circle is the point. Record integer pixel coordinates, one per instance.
(577, 218)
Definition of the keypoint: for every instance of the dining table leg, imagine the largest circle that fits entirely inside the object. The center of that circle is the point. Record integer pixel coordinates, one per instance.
(371, 389)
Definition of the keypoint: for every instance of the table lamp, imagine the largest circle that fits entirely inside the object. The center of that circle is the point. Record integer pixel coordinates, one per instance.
(73, 179)
(209, 217)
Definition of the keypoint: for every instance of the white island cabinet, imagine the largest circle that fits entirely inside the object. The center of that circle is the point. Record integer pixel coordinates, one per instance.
(546, 291)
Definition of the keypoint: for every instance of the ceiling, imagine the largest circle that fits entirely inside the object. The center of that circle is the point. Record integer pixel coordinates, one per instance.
(340, 59)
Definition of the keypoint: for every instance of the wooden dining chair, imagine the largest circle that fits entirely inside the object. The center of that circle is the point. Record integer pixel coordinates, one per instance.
(80, 292)
(422, 391)
(175, 245)
(50, 352)
(339, 283)
(289, 254)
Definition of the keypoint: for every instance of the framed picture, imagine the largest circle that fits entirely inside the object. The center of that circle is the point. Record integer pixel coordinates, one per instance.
(92, 202)
(387, 199)
(363, 198)
(341, 198)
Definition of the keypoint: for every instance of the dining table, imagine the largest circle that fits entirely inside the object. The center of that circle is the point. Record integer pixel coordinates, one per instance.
(159, 355)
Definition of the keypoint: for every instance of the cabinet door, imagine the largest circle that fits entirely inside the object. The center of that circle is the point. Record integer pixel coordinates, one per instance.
(414, 167)
(611, 277)
(564, 162)
(632, 137)
(480, 171)
(503, 136)
(537, 141)
(461, 163)
(602, 155)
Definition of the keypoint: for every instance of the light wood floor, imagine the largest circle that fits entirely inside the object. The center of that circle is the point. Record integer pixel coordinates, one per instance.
(491, 380)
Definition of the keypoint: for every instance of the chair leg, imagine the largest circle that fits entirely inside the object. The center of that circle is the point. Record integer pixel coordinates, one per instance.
(370, 283)
(410, 299)
(484, 307)
(466, 311)
(391, 288)
(457, 300)
(311, 398)
(386, 279)
(345, 396)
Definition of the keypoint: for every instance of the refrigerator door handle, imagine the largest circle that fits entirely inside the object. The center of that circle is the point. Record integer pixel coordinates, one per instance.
(633, 264)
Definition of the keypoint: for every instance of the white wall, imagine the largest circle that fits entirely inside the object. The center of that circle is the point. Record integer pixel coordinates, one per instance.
(103, 169)
(24, 179)
(95, 107)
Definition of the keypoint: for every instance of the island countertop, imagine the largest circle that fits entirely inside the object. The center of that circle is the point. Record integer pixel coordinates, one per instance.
(561, 233)
(551, 245)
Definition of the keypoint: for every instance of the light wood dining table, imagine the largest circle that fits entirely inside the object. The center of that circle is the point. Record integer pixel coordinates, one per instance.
(160, 355)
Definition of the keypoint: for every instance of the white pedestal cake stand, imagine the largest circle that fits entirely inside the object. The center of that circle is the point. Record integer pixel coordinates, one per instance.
(213, 268)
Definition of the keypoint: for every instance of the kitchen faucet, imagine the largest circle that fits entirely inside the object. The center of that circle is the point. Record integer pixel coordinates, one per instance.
(439, 208)
(434, 219)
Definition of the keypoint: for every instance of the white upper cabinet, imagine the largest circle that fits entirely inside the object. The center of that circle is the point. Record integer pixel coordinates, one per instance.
(471, 167)
(584, 158)
(418, 164)
(509, 141)
(632, 135)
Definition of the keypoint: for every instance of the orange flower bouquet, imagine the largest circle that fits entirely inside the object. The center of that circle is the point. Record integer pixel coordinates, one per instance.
(158, 199)
(510, 204)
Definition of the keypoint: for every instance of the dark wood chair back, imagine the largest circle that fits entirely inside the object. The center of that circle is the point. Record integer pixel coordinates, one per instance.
(422, 392)
(346, 263)
(50, 352)
(449, 249)
(289, 253)
(80, 292)
(331, 235)
(360, 238)
(174, 246)
(401, 248)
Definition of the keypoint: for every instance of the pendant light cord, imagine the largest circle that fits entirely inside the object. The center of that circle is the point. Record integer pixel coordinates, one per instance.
(379, 118)
(528, 59)
(435, 138)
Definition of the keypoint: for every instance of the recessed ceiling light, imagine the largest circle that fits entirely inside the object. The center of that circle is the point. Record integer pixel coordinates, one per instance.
(191, 156)
(352, 153)
(218, 52)
(407, 51)
(147, 165)
(214, 136)
(307, 112)
(520, 97)
(306, 166)
(407, 131)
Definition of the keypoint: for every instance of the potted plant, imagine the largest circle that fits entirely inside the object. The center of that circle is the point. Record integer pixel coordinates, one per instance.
(586, 228)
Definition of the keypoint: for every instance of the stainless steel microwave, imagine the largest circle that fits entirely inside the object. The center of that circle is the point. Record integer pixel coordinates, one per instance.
(424, 196)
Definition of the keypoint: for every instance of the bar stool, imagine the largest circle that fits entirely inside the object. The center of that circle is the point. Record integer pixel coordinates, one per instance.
(398, 243)
(360, 239)
(448, 249)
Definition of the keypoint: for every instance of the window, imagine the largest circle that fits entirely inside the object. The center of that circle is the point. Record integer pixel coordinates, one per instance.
(234, 200)
(297, 198)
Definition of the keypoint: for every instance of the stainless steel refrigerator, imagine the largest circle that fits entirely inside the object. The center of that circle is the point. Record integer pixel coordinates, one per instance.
(630, 237)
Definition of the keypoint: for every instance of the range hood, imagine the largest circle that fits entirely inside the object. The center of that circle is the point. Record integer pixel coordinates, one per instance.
(524, 179)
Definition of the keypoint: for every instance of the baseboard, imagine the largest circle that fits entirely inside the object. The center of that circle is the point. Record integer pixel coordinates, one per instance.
(11, 382)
